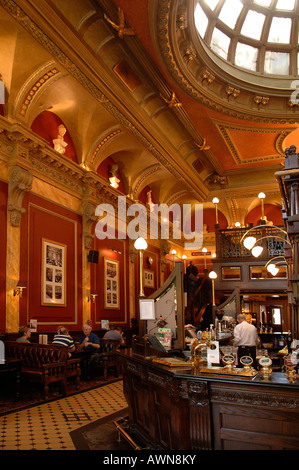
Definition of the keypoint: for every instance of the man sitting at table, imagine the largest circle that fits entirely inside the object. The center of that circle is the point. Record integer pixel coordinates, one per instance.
(63, 338)
(90, 343)
(115, 332)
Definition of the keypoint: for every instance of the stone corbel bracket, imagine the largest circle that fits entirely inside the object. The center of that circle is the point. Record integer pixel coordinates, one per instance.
(20, 181)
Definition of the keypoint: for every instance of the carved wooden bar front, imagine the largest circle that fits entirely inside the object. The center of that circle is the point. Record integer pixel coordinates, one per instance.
(175, 409)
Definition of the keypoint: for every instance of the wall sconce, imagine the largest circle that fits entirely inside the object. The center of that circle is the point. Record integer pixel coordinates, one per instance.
(215, 202)
(140, 245)
(19, 290)
(92, 296)
(213, 276)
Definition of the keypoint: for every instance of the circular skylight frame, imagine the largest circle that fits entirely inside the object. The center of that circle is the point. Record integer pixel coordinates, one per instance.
(229, 38)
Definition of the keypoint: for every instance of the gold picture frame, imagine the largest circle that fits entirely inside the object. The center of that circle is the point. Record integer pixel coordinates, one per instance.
(53, 274)
(111, 284)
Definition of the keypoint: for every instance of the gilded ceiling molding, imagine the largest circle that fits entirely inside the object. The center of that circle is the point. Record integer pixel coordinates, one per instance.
(175, 197)
(91, 161)
(176, 39)
(35, 88)
(224, 129)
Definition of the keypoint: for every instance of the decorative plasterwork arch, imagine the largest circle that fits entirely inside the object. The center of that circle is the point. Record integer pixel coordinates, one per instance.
(33, 86)
(177, 196)
(95, 157)
(143, 179)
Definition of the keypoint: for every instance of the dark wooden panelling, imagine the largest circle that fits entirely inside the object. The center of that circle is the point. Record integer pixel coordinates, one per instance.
(177, 410)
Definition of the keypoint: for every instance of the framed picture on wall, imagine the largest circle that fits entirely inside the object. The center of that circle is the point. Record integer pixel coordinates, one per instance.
(111, 284)
(149, 278)
(53, 274)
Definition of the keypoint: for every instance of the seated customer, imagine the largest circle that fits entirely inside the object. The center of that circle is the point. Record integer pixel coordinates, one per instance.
(115, 332)
(89, 343)
(63, 338)
(24, 334)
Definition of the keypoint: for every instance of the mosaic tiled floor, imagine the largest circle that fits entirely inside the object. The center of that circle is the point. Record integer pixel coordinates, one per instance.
(48, 426)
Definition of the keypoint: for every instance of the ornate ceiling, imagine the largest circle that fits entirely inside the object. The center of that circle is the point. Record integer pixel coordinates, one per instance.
(128, 83)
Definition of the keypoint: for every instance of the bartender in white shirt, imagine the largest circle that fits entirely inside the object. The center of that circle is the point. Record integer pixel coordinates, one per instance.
(246, 339)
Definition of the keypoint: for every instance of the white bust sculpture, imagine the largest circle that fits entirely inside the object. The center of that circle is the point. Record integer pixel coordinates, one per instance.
(59, 143)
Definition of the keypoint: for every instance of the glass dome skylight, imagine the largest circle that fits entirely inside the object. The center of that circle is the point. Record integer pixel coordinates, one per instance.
(257, 35)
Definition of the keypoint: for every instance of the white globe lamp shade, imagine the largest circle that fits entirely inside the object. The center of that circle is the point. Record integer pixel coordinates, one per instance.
(270, 267)
(256, 251)
(140, 244)
(213, 275)
(249, 242)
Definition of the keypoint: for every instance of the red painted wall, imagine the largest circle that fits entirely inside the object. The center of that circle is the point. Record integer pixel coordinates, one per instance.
(115, 250)
(273, 214)
(209, 218)
(45, 220)
(3, 236)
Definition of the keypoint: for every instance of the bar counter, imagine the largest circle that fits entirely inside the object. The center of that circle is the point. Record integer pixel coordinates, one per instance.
(176, 409)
